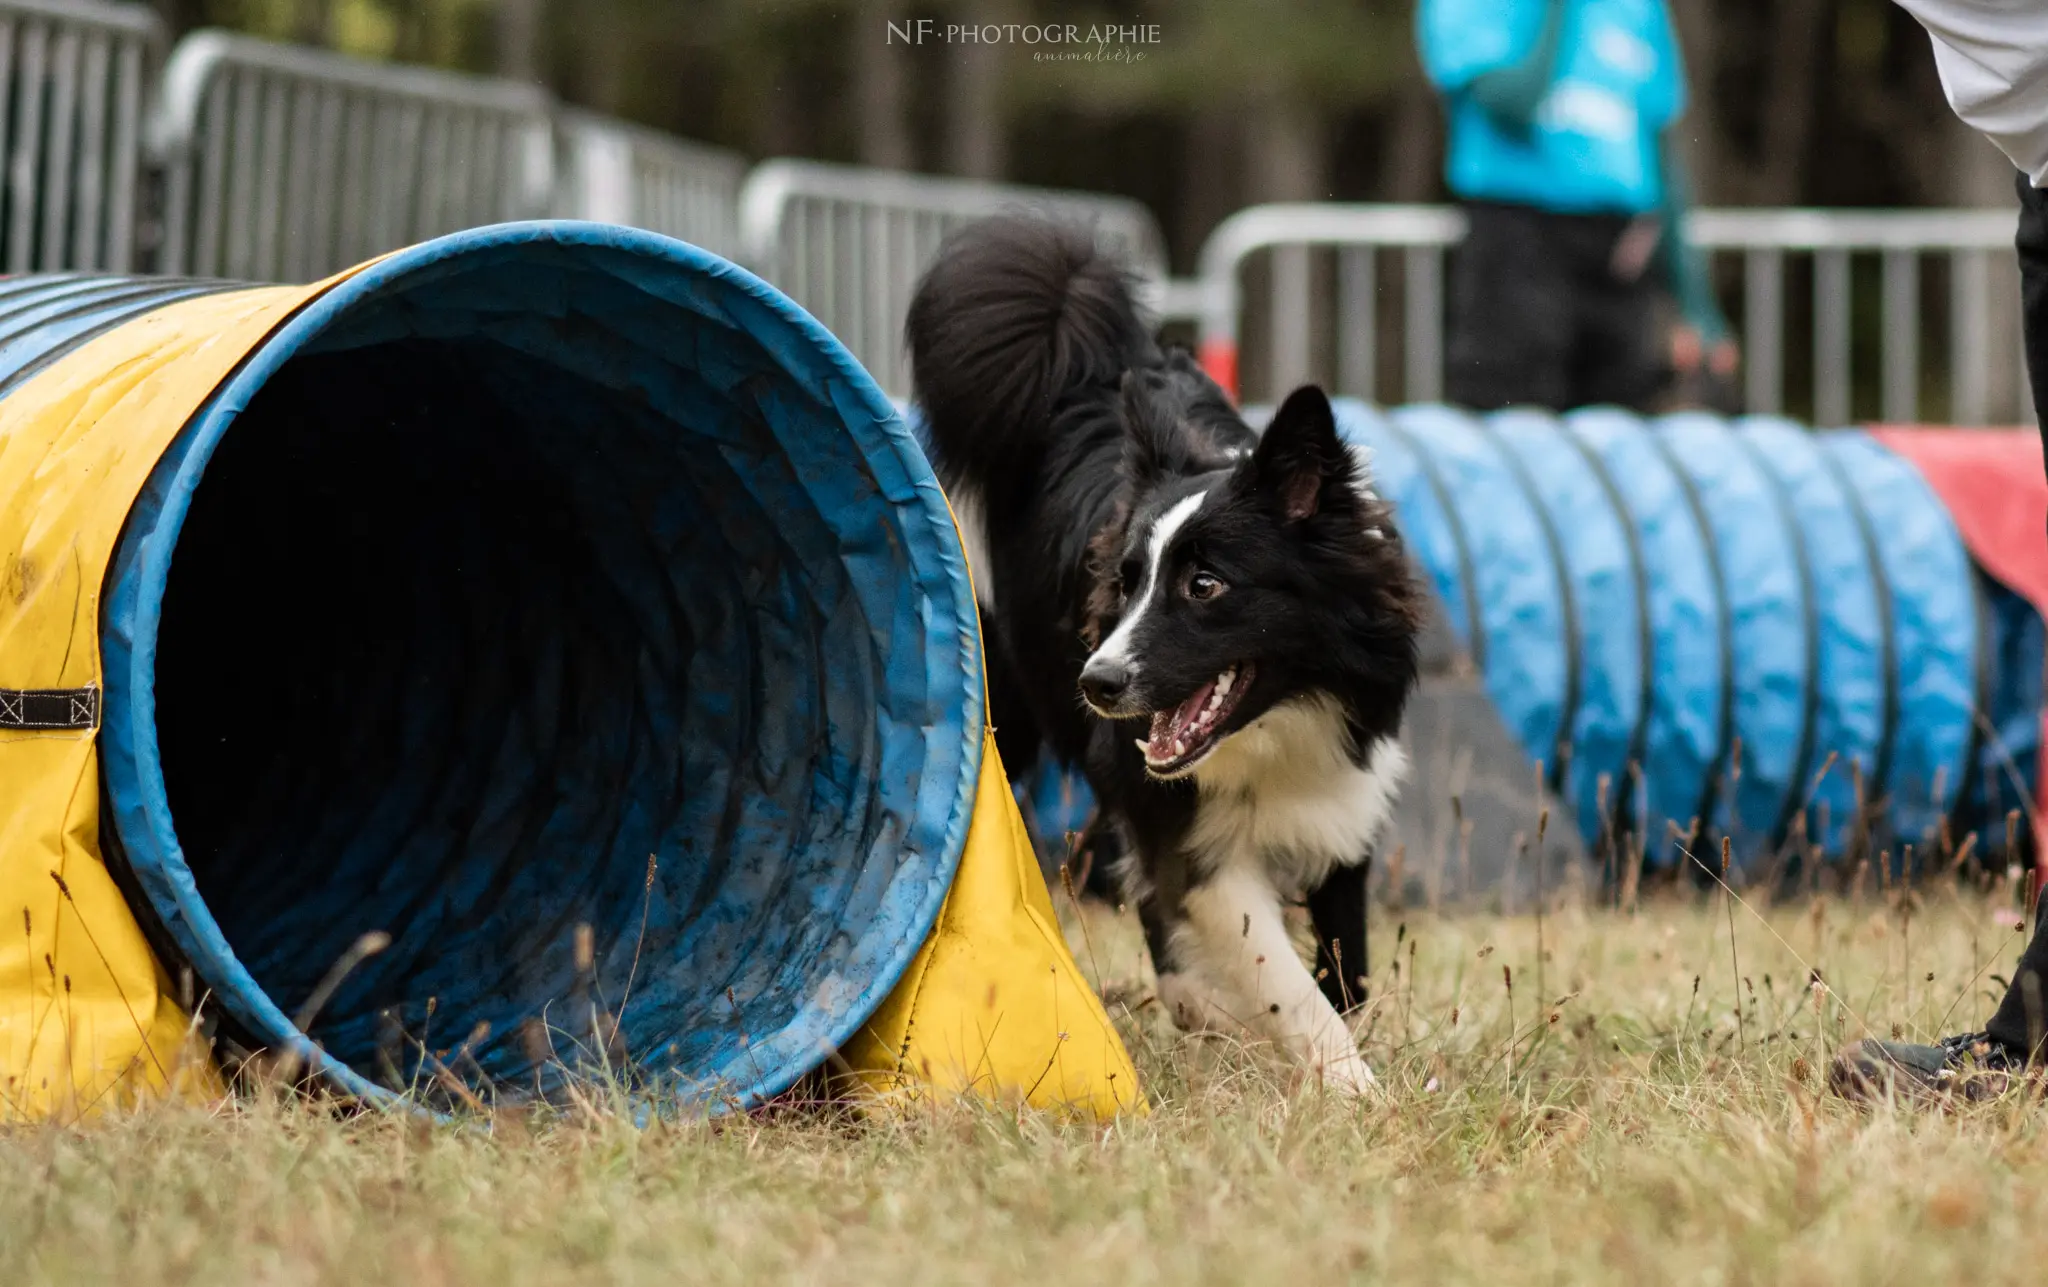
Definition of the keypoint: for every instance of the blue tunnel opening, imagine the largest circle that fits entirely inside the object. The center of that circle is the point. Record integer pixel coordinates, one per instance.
(541, 584)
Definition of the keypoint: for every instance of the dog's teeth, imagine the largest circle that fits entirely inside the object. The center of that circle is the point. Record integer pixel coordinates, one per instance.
(1223, 683)
(1143, 745)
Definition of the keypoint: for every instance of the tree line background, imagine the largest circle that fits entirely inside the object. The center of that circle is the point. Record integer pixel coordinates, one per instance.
(1794, 102)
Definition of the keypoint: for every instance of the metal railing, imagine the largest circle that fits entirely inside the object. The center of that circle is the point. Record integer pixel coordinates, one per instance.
(274, 162)
(849, 243)
(71, 102)
(1358, 234)
(1324, 310)
(1975, 243)
(285, 164)
(615, 172)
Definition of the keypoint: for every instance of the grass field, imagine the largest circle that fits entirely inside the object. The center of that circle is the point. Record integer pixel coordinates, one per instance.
(1611, 1118)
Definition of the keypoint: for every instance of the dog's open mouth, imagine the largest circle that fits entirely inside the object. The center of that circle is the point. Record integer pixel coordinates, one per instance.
(1183, 735)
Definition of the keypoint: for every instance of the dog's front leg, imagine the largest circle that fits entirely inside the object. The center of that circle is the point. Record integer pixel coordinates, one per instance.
(1192, 1000)
(1337, 909)
(1237, 931)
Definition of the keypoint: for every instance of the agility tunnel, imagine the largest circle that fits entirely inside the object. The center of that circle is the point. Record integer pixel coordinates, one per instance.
(1780, 635)
(541, 650)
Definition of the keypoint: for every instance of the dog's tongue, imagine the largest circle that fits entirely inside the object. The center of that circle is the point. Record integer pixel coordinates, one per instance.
(1167, 725)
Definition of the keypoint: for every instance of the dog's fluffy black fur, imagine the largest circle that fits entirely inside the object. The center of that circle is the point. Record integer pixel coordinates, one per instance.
(1219, 626)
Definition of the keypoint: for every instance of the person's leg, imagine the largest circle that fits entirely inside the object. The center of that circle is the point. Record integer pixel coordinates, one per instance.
(2020, 1024)
(1510, 339)
(2018, 1030)
(2023, 1014)
(1621, 359)
(1976, 1065)
(2032, 244)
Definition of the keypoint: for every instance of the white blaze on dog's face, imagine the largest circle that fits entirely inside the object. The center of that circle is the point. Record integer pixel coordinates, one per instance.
(1247, 586)
(1153, 539)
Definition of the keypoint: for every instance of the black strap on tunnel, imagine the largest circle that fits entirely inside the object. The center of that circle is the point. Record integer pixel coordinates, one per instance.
(1710, 790)
(1568, 604)
(1809, 618)
(1467, 569)
(1887, 644)
(1646, 634)
(50, 708)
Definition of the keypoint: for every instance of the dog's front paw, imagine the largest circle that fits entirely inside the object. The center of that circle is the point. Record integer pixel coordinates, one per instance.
(1347, 1075)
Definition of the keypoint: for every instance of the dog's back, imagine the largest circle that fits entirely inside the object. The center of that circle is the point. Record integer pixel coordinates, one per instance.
(1020, 336)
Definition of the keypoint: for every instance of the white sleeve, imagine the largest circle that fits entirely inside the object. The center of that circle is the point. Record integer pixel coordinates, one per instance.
(1993, 60)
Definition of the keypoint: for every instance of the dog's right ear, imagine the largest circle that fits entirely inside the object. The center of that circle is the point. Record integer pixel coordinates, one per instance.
(1300, 461)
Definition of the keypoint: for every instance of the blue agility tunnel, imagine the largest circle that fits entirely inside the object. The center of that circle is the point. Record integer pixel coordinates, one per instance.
(564, 603)
(1734, 622)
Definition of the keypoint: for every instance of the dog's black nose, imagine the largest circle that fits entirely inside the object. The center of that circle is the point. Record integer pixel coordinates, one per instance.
(1104, 681)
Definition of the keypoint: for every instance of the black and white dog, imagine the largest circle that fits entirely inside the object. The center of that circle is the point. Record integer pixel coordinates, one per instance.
(1220, 626)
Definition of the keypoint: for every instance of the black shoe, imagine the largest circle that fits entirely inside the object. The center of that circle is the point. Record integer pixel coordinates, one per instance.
(1971, 1065)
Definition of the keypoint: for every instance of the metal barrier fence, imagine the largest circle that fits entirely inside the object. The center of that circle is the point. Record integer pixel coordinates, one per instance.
(285, 164)
(71, 102)
(1324, 309)
(619, 173)
(849, 243)
(275, 162)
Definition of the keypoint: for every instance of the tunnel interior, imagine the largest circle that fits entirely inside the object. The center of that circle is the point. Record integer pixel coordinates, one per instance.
(577, 620)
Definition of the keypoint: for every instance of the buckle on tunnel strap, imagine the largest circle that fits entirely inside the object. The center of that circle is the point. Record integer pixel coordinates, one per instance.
(52, 708)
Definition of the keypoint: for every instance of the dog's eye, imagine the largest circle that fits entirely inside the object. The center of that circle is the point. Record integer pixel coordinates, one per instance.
(1204, 585)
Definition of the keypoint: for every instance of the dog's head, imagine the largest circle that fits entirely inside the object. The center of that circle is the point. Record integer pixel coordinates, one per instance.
(1241, 579)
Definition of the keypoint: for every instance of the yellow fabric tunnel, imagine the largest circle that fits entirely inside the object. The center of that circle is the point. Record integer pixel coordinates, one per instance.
(542, 651)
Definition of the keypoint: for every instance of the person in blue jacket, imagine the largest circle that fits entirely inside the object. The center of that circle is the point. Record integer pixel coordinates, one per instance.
(1560, 154)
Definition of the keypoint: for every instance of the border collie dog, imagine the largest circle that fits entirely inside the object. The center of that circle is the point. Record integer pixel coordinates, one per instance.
(1220, 627)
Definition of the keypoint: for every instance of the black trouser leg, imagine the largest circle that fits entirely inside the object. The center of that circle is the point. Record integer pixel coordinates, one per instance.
(2022, 1019)
(1512, 297)
(1621, 359)
(2032, 244)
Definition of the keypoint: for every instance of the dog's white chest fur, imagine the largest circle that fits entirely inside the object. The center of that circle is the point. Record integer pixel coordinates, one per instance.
(1282, 796)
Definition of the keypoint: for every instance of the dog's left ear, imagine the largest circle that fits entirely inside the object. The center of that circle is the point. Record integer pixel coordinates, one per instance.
(1300, 461)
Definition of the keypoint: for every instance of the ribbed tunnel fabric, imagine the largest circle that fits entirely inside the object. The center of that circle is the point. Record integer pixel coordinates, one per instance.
(1685, 729)
(544, 577)
(1746, 623)
(1608, 603)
